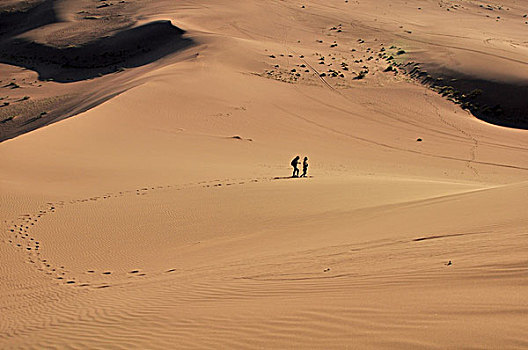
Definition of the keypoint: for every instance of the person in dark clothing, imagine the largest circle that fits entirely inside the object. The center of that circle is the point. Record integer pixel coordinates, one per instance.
(294, 164)
(305, 167)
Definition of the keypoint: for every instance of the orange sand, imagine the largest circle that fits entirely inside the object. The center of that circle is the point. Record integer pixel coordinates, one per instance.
(157, 229)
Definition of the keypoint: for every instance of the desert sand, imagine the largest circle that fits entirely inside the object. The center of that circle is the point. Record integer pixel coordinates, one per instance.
(145, 198)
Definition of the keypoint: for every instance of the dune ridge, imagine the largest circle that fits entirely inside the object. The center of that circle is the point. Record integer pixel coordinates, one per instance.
(21, 17)
(66, 48)
(126, 49)
(496, 102)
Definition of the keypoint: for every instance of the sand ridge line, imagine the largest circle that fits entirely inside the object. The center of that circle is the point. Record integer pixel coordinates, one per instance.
(21, 239)
(462, 49)
(391, 147)
(425, 238)
(339, 265)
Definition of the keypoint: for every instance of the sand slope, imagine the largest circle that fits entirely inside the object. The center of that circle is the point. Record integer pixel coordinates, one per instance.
(165, 218)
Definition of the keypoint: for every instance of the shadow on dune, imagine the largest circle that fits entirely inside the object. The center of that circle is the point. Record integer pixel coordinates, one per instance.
(496, 102)
(499, 103)
(290, 177)
(127, 49)
(23, 18)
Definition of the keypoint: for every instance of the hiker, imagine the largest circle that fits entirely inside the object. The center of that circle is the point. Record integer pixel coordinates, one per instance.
(294, 164)
(305, 167)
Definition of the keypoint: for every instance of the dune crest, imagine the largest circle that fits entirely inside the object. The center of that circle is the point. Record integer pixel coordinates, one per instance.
(129, 48)
(64, 47)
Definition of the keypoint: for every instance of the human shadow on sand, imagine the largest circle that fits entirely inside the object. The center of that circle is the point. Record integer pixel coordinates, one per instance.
(289, 177)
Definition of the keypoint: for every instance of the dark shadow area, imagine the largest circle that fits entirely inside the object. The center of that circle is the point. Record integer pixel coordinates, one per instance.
(290, 177)
(499, 103)
(24, 18)
(127, 49)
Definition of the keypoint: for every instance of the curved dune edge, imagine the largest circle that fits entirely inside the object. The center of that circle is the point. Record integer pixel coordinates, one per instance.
(127, 48)
(498, 103)
(84, 61)
(107, 66)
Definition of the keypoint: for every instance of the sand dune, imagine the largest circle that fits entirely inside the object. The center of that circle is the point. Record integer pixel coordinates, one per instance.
(69, 42)
(154, 209)
(129, 48)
